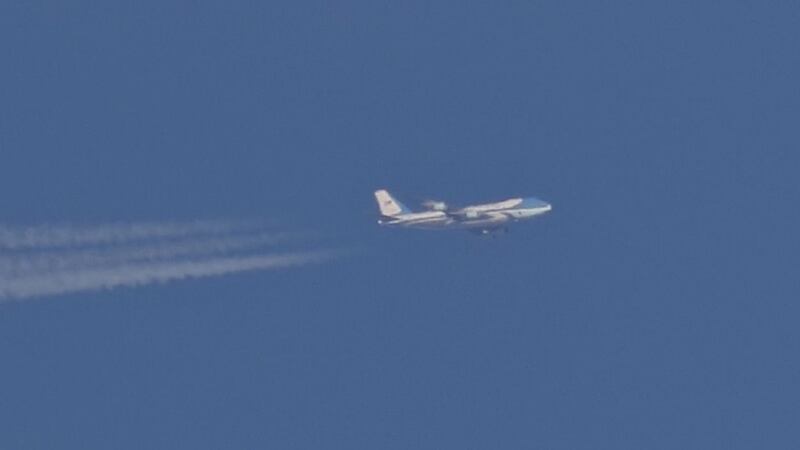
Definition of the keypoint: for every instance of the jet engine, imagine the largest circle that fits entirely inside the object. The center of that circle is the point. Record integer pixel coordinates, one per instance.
(435, 205)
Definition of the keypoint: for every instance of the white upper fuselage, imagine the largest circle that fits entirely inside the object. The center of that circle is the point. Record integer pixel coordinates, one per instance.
(484, 217)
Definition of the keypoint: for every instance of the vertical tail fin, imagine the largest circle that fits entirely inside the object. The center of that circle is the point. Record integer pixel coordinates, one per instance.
(388, 205)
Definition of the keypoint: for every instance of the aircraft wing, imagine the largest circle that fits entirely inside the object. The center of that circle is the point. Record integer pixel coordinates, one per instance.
(468, 214)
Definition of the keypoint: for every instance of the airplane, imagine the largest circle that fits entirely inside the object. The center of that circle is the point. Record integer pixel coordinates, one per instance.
(482, 219)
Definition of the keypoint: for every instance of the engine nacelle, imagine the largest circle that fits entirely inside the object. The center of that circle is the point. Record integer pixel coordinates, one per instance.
(434, 205)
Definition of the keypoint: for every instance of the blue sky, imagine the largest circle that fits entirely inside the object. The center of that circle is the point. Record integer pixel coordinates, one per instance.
(655, 307)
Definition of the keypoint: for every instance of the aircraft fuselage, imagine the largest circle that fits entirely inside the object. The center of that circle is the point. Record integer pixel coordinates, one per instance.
(481, 217)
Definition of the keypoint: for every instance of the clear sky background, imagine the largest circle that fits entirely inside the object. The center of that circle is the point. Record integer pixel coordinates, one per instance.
(656, 306)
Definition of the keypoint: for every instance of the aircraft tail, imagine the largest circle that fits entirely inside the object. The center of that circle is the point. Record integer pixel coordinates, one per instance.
(388, 205)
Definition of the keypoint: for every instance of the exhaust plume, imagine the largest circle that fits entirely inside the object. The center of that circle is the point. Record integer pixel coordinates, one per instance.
(52, 260)
(49, 236)
(92, 279)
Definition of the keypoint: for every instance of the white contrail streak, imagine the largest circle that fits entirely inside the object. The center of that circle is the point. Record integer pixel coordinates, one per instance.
(92, 279)
(49, 260)
(49, 236)
(20, 264)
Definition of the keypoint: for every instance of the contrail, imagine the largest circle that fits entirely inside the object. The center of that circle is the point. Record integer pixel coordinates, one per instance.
(19, 264)
(69, 235)
(92, 279)
(51, 260)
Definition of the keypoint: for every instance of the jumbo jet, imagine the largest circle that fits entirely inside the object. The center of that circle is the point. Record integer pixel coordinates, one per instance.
(482, 219)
